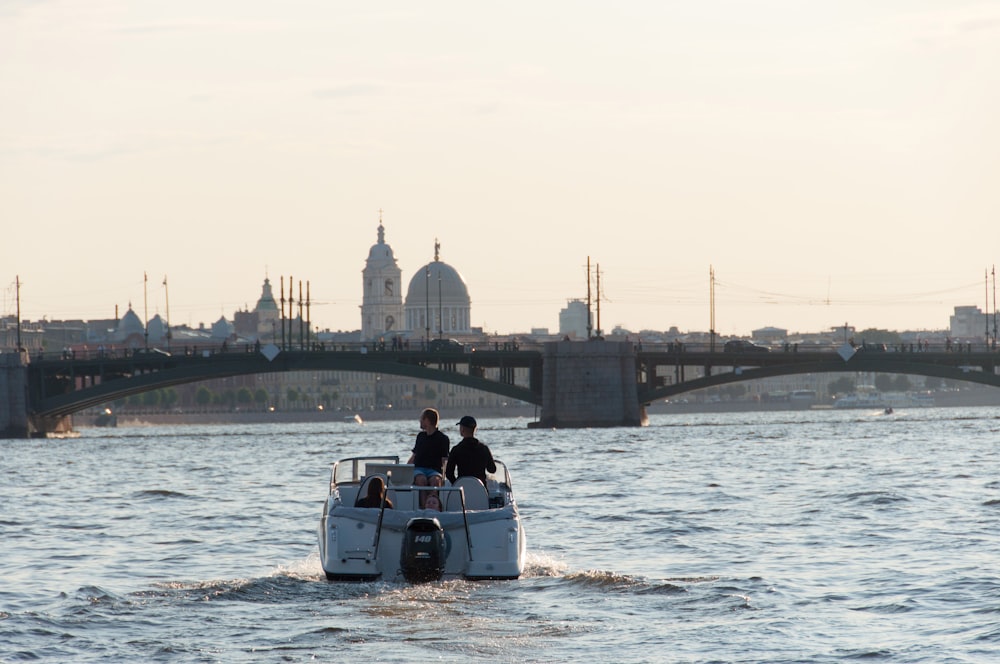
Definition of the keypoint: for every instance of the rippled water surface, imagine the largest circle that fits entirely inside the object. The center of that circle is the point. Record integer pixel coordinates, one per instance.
(781, 537)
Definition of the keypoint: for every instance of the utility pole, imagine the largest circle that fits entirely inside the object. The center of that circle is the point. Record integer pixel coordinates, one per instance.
(17, 292)
(437, 257)
(145, 309)
(599, 331)
(711, 306)
(589, 322)
(291, 309)
(166, 290)
(283, 312)
(427, 308)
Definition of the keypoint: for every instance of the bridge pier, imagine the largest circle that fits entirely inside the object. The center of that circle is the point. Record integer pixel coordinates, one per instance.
(15, 421)
(590, 384)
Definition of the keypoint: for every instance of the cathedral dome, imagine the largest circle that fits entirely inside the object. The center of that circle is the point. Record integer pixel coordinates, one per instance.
(437, 301)
(452, 289)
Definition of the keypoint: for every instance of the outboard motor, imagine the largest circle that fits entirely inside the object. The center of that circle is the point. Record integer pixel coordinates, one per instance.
(423, 554)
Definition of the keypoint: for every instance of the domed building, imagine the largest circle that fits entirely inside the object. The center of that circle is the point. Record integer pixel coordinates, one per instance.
(437, 301)
(130, 330)
(157, 329)
(382, 300)
(263, 322)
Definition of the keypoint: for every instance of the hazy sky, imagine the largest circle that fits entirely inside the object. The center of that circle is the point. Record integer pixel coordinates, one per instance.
(833, 161)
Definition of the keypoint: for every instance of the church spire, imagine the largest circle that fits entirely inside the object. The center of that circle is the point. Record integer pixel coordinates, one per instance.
(381, 229)
(437, 250)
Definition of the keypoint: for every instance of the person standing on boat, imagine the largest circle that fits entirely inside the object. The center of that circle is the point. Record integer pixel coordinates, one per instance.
(470, 457)
(430, 452)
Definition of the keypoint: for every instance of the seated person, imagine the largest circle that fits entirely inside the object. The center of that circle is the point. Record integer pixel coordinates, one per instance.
(376, 487)
(432, 502)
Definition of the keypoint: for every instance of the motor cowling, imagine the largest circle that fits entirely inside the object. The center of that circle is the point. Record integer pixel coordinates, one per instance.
(422, 557)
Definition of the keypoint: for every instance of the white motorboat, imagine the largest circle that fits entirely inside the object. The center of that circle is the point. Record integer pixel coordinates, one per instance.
(477, 535)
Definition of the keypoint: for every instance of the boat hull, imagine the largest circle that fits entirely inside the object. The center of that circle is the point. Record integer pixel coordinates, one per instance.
(365, 544)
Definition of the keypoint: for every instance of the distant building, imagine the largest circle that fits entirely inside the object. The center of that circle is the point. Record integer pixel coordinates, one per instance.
(769, 334)
(574, 320)
(261, 323)
(969, 322)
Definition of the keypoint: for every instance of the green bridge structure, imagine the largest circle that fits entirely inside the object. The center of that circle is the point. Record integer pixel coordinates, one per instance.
(593, 383)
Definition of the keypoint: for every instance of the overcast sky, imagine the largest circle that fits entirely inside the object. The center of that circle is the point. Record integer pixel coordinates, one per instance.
(832, 161)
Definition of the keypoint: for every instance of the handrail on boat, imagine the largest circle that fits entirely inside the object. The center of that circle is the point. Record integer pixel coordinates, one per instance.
(418, 489)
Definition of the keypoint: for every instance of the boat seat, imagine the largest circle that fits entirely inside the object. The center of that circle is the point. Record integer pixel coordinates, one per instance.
(402, 500)
(363, 489)
(475, 495)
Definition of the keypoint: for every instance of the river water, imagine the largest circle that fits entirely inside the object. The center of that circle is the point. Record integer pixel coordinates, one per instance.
(806, 536)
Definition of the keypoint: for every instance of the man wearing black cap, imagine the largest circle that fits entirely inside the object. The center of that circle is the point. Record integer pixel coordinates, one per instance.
(469, 457)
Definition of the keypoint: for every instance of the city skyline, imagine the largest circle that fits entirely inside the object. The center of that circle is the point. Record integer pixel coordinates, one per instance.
(832, 164)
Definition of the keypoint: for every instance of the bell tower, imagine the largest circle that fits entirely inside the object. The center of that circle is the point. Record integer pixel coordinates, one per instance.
(382, 299)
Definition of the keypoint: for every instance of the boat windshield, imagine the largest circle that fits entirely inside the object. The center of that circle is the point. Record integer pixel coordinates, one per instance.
(347, 471)
(502, 476)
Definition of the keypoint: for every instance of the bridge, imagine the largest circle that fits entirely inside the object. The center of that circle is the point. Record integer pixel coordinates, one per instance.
(667, 373)
(593, 383)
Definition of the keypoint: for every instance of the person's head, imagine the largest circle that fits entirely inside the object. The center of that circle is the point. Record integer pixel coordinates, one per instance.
(428, 420)
(375, 489)
(467, 426)
(432, 502)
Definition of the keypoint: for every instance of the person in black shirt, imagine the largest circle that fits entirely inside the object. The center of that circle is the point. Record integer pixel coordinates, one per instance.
(469, 457)
(430, 452)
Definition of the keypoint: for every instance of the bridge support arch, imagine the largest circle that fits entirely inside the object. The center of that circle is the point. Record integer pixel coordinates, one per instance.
(590, 384)
(15, 421)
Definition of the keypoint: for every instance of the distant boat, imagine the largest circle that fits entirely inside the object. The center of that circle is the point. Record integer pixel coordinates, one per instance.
(106, 419)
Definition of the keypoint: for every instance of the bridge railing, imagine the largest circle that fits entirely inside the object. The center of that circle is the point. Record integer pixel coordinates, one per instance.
(87, 352)
(719, 347)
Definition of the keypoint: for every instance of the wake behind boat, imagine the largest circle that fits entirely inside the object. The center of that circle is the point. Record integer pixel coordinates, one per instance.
(477, 535)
